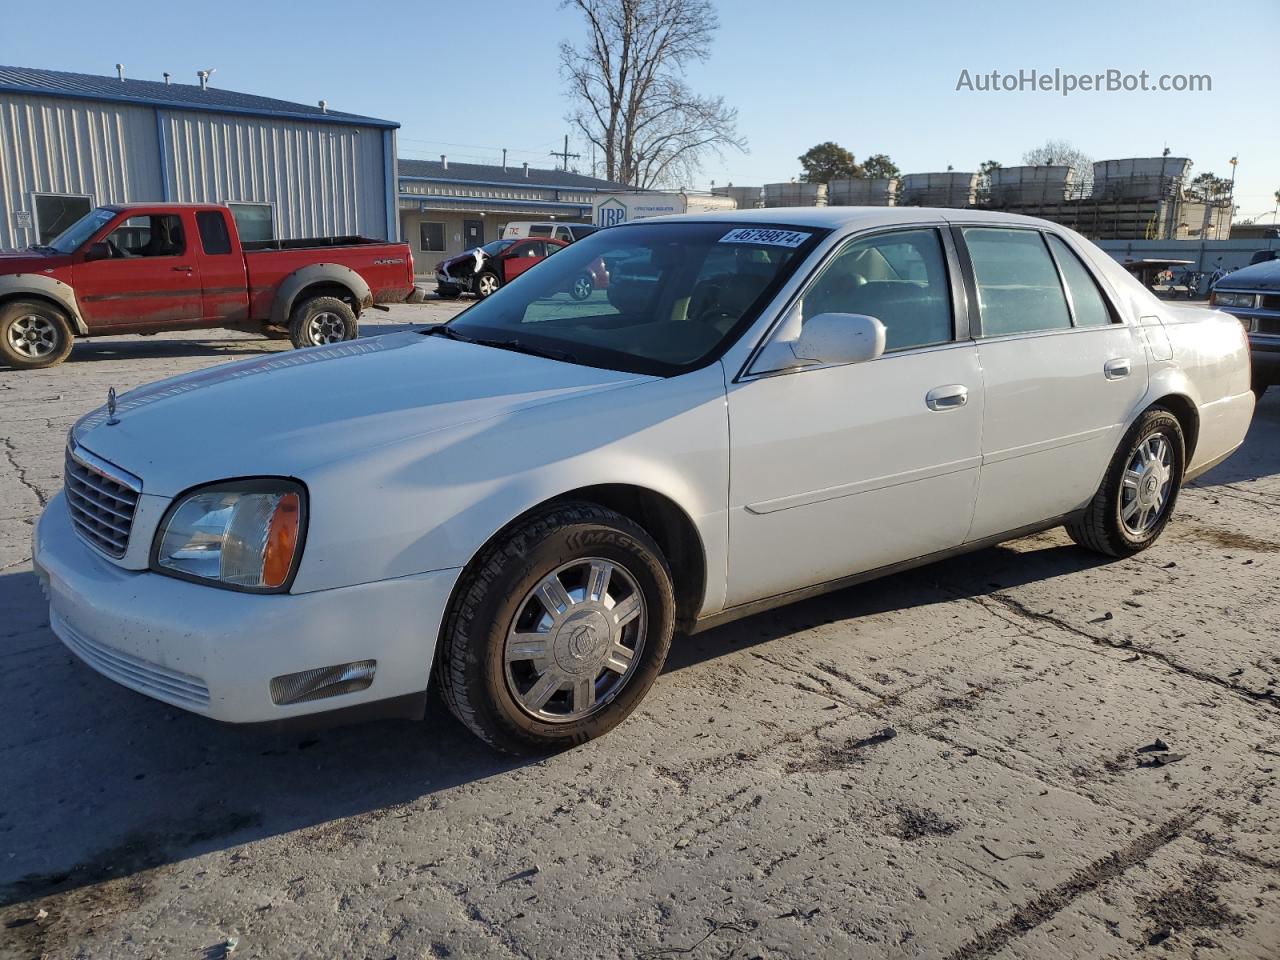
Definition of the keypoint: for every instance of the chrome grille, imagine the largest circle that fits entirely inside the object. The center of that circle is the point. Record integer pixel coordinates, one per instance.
(102, 499)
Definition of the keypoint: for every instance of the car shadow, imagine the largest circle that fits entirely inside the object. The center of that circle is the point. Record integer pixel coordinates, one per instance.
(102, 782)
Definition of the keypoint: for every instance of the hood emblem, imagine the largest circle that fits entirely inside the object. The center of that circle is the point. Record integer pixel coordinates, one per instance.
(111, 407)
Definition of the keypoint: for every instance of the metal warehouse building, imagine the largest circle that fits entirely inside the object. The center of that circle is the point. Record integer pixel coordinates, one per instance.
(71, 141)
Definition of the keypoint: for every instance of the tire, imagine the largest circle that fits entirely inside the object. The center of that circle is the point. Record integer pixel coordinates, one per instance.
(592, 687)
(1111, 524)
(320, 321)
(33, 335)
(487, 283)
(582, 287)
(448, 293)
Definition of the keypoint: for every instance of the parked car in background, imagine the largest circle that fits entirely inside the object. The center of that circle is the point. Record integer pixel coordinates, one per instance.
(148, 268)
(568, 232)
(528, 502)
(1252, 295)
(482, 270)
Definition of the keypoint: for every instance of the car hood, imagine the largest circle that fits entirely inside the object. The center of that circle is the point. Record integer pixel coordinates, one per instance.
(288, 413)
(464, 263)
(30, 261)
(1260, 276)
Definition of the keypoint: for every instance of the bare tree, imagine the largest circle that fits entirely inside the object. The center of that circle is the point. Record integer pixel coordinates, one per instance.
(1063, 153)
(630, 96)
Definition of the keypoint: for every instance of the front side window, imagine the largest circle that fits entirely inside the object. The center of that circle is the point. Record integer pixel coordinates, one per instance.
(562, 233)
(431, 237)
(1087, 303)
(665, 298)
(55, 212)
(534, 248)
(900, 278)
(149, 235)
(1018, 286)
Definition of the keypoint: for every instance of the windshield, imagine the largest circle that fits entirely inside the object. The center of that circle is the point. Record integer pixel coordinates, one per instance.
(72, 239)
(495, 247)
(658, 298)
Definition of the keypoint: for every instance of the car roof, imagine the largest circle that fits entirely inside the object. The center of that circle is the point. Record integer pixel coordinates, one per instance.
(833, 218)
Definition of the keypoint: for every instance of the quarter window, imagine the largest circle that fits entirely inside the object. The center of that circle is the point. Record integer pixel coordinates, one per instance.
(900, 278)
(1018, 286)
(1087, 304)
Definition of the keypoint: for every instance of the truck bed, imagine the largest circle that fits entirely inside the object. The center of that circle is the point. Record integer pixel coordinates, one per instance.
(255, 246)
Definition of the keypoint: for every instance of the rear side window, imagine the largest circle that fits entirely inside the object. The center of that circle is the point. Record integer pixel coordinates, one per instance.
(540, 230)
(1089, 307)
(214, 237)
(900, 278)
(1018, 286)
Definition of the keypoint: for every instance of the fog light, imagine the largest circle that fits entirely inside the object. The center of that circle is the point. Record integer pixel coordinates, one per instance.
(322, 682)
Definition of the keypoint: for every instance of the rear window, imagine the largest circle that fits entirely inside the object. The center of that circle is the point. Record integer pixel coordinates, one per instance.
(214, 237)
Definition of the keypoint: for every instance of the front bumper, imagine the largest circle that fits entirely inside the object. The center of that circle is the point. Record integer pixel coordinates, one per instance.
(1265, 355)
(214, 651)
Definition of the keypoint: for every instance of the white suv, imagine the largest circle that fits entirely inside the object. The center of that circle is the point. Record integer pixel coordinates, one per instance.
(568, 232)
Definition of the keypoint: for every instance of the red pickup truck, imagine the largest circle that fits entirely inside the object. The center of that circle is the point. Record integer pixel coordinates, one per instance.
(150, 267)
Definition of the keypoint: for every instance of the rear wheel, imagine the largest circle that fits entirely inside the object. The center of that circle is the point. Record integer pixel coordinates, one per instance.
(1139, 491)
(322, 320)
(582, 287)
(487, 283)
(558, 630)
(33, 335)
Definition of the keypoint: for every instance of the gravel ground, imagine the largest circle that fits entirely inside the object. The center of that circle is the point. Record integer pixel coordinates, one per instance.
(956, 762)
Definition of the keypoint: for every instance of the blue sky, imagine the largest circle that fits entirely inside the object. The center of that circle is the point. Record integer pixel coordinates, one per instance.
(874, 77)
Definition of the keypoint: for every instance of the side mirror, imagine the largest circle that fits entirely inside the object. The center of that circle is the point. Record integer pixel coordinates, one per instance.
(97, 251)
(839, 338)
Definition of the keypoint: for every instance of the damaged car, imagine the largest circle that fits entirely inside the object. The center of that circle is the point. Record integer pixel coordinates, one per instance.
(482, 270)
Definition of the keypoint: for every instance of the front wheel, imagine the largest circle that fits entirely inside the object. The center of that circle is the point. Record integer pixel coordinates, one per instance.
(1138, 493)
(487, 283)
(33, 335)
(558, 630)
(322, 320)
(582, 287)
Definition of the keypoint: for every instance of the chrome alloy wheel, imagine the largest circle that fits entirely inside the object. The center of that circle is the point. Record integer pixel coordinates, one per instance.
(33, 336)
(487, 284)
(582, 287)
(1146, 485)
(575, 640)
(326, 327)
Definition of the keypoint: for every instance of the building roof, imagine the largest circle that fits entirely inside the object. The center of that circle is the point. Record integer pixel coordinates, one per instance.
(495, 174)
(179, 96)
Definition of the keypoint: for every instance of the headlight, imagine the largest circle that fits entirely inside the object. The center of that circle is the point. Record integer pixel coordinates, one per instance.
(1233, 299)
(242, 534)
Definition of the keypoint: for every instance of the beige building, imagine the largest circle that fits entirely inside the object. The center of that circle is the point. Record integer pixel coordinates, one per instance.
(448, 207)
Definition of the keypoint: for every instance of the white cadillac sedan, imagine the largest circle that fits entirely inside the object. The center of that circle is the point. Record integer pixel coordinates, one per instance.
(524, 505)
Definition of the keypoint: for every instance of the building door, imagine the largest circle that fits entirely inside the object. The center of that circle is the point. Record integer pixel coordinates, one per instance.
(472, 234)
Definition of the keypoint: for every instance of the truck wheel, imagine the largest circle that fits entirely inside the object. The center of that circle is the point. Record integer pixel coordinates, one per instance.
(557, 630)
(322, 320)
(33, 335)
(486, 283)
(1138, 493)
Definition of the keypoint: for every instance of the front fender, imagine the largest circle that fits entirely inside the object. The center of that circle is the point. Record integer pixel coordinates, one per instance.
(44, 288)
(314, 274)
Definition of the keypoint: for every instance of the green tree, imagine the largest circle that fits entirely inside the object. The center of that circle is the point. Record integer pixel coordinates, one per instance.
(985, 169)
(828, 161)
(878, 166)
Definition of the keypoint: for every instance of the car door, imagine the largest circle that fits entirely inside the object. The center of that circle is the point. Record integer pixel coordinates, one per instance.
(1064, 373)
(224, 281)
(150, 279)
(837, 470)
(521, 257)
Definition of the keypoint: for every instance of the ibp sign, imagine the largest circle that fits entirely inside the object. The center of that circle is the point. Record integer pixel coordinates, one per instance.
(610, 213)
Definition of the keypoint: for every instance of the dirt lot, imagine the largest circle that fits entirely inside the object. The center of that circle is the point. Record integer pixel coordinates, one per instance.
(951, 763)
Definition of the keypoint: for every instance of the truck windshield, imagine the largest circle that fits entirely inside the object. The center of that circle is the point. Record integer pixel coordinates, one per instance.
(659, 298)
(72, 239)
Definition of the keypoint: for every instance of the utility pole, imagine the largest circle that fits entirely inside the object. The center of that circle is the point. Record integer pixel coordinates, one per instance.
(565, 155)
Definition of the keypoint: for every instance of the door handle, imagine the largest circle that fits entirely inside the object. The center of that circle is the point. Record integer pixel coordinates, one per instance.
(182, 269)
(950, 397)
(1117, 369)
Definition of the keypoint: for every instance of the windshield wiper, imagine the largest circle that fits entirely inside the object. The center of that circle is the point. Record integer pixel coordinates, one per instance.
(444, 330)
(517, 346)
(42, 246)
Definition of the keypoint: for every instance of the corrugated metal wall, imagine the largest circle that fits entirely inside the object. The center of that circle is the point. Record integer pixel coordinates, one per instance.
(58, 145)
(325, 179)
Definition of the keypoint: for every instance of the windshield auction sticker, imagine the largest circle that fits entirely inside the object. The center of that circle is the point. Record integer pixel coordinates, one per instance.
(766, 236)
